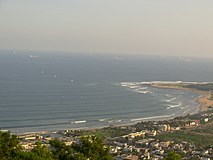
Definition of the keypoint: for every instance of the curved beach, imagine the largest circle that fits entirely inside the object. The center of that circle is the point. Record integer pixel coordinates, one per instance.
(204, 99)
(205, 102)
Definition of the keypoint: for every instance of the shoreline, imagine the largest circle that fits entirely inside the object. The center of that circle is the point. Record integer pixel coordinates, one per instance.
(203, 100)
(124, 124)
(203, 103)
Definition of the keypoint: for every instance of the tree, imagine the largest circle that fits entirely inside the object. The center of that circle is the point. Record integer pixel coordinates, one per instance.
(38, 153)
(90, 147)
(41, 152)
(93, 148)
(9, 146)
(173, 156)
(63, 152)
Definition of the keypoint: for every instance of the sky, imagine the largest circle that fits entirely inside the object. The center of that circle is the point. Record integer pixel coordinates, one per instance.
(159, 27)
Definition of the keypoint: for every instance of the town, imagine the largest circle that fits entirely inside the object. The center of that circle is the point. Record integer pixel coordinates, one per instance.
(190, 136)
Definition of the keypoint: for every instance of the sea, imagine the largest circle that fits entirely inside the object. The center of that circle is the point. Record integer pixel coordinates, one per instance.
(49, 91)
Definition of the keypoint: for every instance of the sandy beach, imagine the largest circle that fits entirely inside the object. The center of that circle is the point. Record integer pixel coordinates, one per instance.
(204, 99)
(205, 102)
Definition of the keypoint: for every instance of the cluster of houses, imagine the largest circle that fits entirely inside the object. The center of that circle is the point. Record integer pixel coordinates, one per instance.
(153, 149)
(27, 141)
(145, 145)
(139, 143)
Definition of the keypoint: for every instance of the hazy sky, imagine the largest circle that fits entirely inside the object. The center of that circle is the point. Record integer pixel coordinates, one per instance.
(171, 27)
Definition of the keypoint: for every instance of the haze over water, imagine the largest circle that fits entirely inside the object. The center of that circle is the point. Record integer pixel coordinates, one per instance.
(48, 91)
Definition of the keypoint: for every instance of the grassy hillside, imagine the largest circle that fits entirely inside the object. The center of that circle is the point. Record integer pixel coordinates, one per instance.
(199, 140)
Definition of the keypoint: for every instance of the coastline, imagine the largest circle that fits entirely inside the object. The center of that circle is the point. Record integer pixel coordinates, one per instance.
(203, 100)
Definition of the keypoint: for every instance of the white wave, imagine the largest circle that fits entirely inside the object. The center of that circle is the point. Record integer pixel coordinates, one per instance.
(155, 117)
(170, 100)
(133, 87)
(174, 106)
(185, 112)
(32, 56)
(129, 84)
(104, 119)
(185, 107)
(143, 92)
(143, 88)
(77, 122)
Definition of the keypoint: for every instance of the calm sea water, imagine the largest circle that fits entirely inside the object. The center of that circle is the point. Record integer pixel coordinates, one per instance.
(49, 91)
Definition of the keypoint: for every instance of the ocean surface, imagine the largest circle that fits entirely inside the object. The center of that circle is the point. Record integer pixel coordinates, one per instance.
(52, 91)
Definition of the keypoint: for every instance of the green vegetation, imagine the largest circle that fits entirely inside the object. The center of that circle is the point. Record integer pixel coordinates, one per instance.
(9, 146)
(38, 153)
(205, 129)
(173, 156)
(103, 133)
(89, 147)
(198, 140)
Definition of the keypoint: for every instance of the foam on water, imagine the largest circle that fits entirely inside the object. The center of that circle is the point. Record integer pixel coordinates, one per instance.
(170, 100)
(152, 118)
(174, 106)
